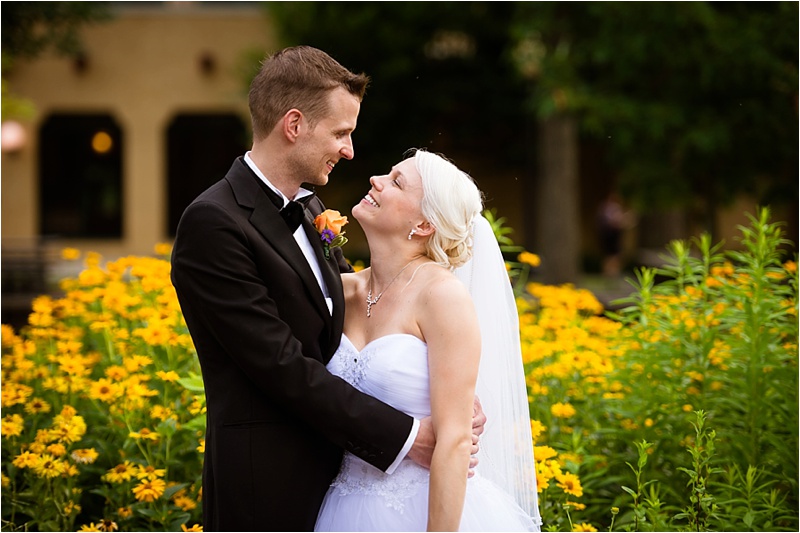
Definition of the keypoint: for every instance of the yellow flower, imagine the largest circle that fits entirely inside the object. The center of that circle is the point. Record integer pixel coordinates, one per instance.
(575, 505)
(150, 472)
(47, 466)
(537, 428)
(687, 407)
(12, 426)
(202, 447)
(107, 525)
(163, 248)
(135, 362)
(125, 512)
(187, 504)
(144, 434)
(529, 259)
(37, 405)
(14, 393)
(26, 460)
(584, 527)
(70, 254)
(56, 450)
(542, 453)
(89, 527)
(120, 473)
(562, 410)
(6, 481)
(149, 490)
(84, 455)
(69, 430)
(196, 527)
(71, 507)
(104, 390)
(570, 484)
(160, 412)
(170, 376)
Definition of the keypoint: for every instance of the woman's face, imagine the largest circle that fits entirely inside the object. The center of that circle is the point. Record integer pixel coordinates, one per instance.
(394, 202)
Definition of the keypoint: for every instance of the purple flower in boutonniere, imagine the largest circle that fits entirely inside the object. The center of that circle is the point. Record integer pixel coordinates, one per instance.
(329, 224)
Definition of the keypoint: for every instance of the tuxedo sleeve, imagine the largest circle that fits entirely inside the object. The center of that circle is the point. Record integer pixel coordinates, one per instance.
(238, 327)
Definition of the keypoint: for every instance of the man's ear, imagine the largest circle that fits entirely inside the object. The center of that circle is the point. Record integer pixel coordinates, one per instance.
(292, 124)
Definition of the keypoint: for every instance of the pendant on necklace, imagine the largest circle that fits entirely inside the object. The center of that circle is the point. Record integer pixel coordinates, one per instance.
(371, 301)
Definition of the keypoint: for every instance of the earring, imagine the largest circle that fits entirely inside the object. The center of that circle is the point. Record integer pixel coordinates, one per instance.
(411, 233)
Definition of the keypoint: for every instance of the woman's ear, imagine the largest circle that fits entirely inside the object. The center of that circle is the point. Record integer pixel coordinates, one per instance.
(424, 229)
(291, 124)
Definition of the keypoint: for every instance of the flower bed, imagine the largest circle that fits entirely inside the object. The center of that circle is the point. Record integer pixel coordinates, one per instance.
(678, 412)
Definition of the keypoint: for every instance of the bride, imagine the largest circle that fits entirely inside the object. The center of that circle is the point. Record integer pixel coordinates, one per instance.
(428, 326)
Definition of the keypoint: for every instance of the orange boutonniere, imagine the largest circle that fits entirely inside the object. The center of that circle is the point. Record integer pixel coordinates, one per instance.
(329, 224)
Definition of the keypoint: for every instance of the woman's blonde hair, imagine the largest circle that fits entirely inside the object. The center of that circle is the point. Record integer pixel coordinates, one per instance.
(450, 202)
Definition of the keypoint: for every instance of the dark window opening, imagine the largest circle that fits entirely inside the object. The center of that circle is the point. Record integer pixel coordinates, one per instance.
(201, 149)
(80, 176)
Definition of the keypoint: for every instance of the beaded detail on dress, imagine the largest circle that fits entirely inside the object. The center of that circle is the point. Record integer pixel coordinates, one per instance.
(358, 477)
(354, 364)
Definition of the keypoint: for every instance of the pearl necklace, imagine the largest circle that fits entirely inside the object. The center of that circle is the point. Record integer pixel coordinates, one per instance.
(372, 301)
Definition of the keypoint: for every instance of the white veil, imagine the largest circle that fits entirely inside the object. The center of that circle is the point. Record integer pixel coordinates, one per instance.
(506, 447)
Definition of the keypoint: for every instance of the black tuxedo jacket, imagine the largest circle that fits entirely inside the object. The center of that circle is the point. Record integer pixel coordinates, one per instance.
(277, 419)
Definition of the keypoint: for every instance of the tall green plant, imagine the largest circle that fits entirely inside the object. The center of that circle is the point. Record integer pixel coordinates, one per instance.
(717, 331)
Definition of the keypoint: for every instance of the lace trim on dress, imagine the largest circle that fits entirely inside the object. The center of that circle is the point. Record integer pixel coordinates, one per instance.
(358, 477)
(354, 364)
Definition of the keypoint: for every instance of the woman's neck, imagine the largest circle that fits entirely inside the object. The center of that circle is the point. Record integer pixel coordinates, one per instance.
(386, 266)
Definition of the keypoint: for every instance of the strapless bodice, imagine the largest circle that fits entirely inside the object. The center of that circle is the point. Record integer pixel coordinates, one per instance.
(392, 368)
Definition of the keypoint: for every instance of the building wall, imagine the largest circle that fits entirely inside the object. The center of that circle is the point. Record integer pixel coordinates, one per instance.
(143, 67)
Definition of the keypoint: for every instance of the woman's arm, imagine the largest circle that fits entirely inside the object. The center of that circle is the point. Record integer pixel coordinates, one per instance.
(449, 325)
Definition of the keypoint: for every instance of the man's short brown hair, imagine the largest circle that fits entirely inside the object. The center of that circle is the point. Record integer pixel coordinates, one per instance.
(299, 77)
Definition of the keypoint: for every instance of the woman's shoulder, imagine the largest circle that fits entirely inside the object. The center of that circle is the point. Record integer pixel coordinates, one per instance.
(440, 287)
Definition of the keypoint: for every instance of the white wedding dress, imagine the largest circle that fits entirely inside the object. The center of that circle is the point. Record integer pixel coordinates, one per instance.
(394, 369)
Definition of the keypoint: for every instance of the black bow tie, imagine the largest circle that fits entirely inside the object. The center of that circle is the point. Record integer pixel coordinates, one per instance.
(293, 214)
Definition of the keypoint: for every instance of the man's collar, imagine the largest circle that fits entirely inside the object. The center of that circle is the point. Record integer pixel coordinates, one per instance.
(302, 193)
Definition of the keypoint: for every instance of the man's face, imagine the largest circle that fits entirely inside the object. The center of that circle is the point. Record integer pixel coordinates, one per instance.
(321, 148)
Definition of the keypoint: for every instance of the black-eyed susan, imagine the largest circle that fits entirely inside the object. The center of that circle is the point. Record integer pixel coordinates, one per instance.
(185, 503)
(150, 472)
(84, 456)
(107, 525)
(26, 459)
(49, 467)
(56, 449)
(570, 484)
(36, 406)
(542, 453)
(121, 473)
(144, 434)
(529, 259)
(105, 390)
(169, 376)
(149, 490)
(584, 526)
(70, 254)
(12, 426)
(562, 410)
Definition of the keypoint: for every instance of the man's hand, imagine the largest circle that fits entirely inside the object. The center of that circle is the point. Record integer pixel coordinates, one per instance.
(421, 451)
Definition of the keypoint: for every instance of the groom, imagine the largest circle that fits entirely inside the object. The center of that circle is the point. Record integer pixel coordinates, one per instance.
(265, 308)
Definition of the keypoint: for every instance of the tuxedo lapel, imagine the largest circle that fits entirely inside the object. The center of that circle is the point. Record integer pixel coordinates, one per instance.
(333, 280)
(267, 220)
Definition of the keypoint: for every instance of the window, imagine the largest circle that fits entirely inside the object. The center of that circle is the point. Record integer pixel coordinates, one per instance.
(201, 149)
(80, 176)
